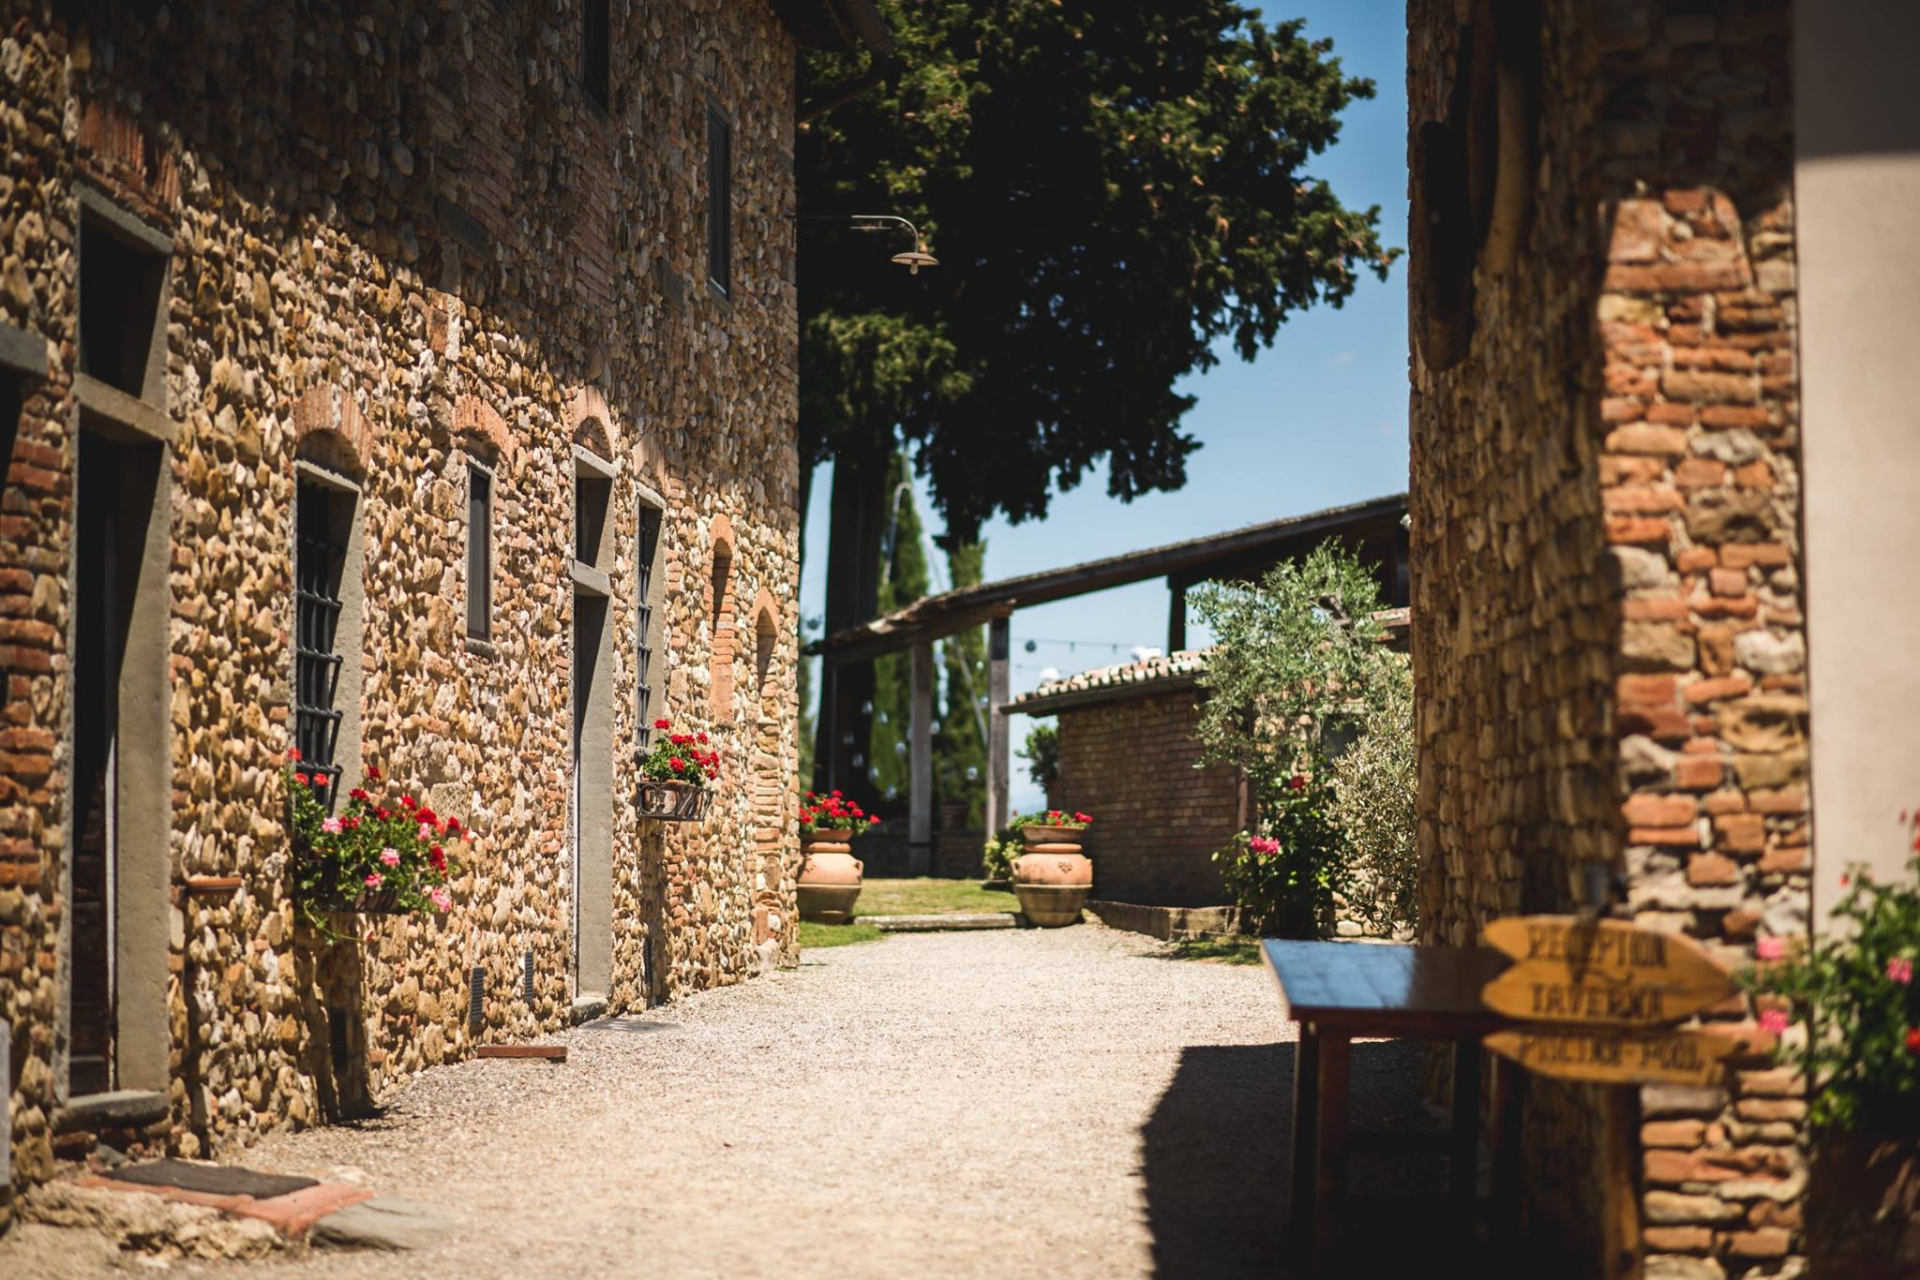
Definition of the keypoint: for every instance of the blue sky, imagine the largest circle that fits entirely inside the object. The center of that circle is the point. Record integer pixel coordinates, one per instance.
(1317, 420)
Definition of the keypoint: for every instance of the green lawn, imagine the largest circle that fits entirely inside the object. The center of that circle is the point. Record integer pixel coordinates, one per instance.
(836, 935)
(1218, 950)
(926, 896)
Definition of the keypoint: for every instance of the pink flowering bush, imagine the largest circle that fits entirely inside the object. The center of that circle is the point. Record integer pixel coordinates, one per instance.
(379, 852)
(1284, 876)
(1854, 986)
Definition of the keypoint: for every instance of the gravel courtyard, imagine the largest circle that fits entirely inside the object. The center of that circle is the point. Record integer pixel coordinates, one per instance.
(1012, 1103)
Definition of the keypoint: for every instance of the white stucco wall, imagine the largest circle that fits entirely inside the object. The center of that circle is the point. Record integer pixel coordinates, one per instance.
(1857, 180)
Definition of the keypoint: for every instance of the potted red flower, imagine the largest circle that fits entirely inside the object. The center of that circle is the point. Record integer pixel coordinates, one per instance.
(1052, 879)
(382, 854)
(830, 876)
(674, 775)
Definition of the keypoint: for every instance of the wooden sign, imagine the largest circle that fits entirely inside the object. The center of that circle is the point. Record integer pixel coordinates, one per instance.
(1603, 972)
(1615, 1057)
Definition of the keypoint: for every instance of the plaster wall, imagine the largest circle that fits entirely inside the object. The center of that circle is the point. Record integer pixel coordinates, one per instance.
(1857, 183)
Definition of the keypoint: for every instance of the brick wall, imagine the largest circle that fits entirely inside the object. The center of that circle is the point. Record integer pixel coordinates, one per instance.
(412, 232)
(1157, 819)
(1608, 646)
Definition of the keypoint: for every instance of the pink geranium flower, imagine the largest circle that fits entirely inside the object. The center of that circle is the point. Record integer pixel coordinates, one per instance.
(1773, 1020)
(1770, 948)
(331, 826)
(442, 899)
(390, 856)
(374, 879)
(1900, 970)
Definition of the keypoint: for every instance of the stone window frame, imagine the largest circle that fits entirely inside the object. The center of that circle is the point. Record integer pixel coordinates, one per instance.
(97, 212)
(321, 468)
(141, 869)
(480, 467)
(720, 126)
(649, 583)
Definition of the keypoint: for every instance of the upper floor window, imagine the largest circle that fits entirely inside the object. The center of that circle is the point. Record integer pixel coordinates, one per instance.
(596, 50)
(479, 553)
(719, 200)
(647, 632)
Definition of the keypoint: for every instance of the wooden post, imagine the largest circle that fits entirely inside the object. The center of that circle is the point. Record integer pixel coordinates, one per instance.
(1620, 1139)
(1176, 616)
(999, 643)
(920, 760)
(1463, 1172)
(1330, 1148)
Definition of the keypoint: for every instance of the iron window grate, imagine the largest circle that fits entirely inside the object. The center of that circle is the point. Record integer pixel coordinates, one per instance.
(643, 610)
(319, 558)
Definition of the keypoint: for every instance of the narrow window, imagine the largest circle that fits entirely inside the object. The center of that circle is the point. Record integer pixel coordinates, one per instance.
(479, 554)
(763, 641)
(721, 666)
(592, 496)
(719, 201)
(319, 561)
(121, 286)
(649, 541)
(596, 51)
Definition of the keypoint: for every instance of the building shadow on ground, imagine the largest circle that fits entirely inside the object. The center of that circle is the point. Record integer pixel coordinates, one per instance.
(1215, 1157)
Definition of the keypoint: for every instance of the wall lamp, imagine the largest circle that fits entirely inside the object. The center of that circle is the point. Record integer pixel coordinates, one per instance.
(913, 259)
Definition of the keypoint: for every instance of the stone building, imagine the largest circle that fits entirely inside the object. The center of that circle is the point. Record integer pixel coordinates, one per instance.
(1663, 469)
(470, 327)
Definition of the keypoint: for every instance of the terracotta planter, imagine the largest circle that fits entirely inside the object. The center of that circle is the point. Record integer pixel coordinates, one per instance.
(829, 877)
(1863, 1209)
(1052, 879)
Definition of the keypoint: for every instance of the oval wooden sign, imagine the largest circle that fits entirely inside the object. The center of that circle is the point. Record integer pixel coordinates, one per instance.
(1540, 992)
(1615, 1057)
(1605, 972)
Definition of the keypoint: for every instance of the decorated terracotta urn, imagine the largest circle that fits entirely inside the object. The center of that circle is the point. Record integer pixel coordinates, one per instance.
(1052, 879)
(829, 876)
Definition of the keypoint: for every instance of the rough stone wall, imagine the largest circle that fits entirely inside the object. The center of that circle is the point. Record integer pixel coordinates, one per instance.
(1605, 505)
(404, 229)
(1157, 819)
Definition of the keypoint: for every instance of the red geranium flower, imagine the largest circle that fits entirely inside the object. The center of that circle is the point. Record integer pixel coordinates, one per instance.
(677, 764)
(301, 778)
(1082, 817)
(1296, 782)
(663, 724)
(453, 826)
(1913, 1041)
(293, 753)
(427, 815)
(360, 793)
(383, 814)
(320, 779)
(373, 773)
(408, 802)
(701, 739)
(438, 857)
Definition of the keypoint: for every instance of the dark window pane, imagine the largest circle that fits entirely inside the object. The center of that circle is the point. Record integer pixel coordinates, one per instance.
(596, 59)
(320, 555)
(719, 201)
(119, 307)
(649, 538)
(479, 554)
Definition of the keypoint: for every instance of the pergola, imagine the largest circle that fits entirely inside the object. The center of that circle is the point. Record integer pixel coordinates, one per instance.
(1375, 530)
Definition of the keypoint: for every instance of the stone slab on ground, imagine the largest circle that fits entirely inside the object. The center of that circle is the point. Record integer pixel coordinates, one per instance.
(214, 1179)
(294, 1214)
(954, 921)
(1168, 924)
(385, 1222)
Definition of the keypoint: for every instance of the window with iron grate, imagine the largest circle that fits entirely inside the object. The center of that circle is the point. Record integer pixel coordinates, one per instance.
(320, 555)
(644, 605)
(479, 554)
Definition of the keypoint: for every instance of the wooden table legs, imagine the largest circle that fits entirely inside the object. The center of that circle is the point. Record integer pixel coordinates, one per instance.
(1463, 1164)
(1320, 1096)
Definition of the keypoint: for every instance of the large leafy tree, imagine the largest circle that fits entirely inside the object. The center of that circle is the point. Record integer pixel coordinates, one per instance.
(1111, 186)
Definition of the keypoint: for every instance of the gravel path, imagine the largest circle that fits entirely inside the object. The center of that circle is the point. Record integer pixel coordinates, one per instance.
(1019, 1103)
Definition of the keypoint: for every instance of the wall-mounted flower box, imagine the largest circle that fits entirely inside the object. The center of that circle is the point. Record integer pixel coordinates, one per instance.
(672, 801)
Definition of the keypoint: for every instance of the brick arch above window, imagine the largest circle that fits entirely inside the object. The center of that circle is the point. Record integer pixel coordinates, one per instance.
(591, 423)
(474, 418)
(329, 428)
(720, 608)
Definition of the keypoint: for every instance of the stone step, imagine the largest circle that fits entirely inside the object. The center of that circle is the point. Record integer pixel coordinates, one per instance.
(957, 921)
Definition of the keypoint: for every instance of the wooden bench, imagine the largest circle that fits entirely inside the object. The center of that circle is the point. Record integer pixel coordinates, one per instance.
(1340, 991)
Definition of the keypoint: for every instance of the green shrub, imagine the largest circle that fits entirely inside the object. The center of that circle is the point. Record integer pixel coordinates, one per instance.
(1376, 788)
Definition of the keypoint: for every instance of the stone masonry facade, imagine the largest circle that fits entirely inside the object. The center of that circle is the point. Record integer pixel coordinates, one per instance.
(1609, 652)
(400, 240)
